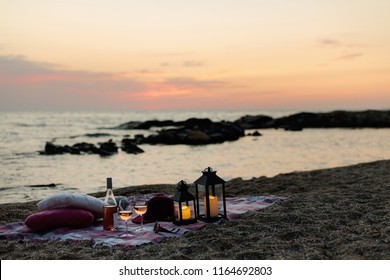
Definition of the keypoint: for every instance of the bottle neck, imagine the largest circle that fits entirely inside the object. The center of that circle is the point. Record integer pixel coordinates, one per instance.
(110, 198)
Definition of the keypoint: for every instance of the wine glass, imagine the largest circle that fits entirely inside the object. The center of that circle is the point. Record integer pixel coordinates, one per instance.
(140, 206)
(125, 213)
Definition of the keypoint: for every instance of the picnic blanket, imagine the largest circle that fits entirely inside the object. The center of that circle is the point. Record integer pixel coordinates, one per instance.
(95, 234)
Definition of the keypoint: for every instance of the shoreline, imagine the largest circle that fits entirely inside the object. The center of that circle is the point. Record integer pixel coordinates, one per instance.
(336, 213)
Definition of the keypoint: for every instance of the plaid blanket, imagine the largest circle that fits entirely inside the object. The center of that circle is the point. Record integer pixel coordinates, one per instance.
(96, 235)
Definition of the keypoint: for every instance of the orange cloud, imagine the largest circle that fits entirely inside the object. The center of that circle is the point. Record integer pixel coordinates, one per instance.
(179, 92)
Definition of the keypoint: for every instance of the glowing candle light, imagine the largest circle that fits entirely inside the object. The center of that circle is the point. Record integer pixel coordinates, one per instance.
(186, 212)
(213, 206)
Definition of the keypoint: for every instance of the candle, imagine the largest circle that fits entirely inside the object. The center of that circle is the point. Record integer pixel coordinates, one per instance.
(213, 206)
(186, 212)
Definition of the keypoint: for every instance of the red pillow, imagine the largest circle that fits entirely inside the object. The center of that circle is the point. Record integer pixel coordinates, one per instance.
(66, 217)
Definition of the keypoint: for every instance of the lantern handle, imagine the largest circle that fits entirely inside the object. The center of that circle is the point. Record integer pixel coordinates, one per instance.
(208, 169)
(182, 186)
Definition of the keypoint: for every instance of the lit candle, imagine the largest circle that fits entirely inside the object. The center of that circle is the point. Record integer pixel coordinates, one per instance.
(185, 210)
(213, 206)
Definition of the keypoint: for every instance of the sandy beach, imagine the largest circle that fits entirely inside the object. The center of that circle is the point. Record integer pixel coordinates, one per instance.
(338, 213)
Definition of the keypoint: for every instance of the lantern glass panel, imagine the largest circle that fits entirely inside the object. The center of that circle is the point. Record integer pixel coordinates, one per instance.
(187, 210)
(215, 199)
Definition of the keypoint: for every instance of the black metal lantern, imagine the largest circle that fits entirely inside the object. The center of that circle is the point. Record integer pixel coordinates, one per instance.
(210, 196)
(184, 205)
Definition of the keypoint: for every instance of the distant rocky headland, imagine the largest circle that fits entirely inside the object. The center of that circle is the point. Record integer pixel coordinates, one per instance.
(195, 131)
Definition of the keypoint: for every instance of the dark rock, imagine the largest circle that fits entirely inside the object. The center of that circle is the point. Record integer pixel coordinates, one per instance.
(301, 120)
(195, 123)
(145, 125)
(139, 138)
(88, 148)
(91, 135)
(230, 131)
(105, 149)
(196, 137)
(52, 185)
(128, 125)
(129, 147)
(256, 134)
(336, 119)
(108, 148)
(155, 123)
(253, 122)
(71, 150)
(216, 137)
(197, 132)
(193, 131)
(94, 135)
(168, 136)
(52, 149)
(189, 123)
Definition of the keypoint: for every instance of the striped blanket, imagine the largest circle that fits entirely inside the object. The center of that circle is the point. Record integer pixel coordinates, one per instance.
(96, 235)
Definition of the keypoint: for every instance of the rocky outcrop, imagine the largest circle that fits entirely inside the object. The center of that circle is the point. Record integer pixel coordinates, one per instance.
(335, 119)
(108, 148)
(145, 125)
(253, 122)
(53, 149)
(129, 146)
(197, 132)
(104, 149)
(349, 119)
(193, 131)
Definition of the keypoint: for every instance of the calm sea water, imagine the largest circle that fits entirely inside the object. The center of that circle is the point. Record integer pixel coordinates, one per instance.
(23, 135)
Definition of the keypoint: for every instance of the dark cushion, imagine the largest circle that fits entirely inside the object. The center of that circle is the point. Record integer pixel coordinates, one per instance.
(160, 208)
(66, 217)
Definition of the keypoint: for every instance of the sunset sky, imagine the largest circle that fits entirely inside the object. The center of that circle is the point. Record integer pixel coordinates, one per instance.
(194, 54)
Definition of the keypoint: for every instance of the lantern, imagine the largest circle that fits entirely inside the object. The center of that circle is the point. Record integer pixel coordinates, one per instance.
(184, 205)
(210, 196)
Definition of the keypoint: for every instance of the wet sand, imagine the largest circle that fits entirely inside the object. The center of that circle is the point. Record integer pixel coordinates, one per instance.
(338, 213)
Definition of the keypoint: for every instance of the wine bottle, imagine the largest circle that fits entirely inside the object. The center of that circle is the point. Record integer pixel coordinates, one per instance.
(110, 209)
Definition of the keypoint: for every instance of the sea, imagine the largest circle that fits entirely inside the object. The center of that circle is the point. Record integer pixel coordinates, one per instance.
(27, 175)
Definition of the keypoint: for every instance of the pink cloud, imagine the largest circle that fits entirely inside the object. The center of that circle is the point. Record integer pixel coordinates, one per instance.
(28, 84)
